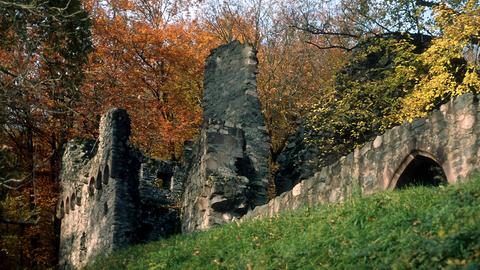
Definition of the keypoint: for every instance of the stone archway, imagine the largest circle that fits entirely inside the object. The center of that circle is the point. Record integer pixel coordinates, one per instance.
(419, 168)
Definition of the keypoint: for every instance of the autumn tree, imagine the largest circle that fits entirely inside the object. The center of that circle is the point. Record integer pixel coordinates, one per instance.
(396, 77)
(451, 71)
(245, 21)
(366, 96)
(149, 59)
(344, 23)
(292, 71)
(43, 46)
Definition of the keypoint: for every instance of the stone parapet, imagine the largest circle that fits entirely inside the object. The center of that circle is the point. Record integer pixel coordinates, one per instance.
(108, 199)
(448, 136)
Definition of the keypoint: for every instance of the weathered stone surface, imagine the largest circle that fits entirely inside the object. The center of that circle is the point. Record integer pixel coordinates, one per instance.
(230, 97)
(448, 137)
(108, 196)
(229, 171)
(113, 196)
(216, 191)
(297, 162)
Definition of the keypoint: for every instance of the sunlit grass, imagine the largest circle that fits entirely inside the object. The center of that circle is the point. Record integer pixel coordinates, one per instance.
(416, 228)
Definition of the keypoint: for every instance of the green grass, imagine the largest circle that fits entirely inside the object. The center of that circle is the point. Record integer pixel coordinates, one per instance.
(416, 228)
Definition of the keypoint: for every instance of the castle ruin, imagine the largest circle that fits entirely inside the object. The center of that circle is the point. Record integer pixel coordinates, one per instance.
(113, 196)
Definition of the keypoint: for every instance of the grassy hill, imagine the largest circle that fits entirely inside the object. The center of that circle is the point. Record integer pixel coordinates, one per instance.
(416, 228)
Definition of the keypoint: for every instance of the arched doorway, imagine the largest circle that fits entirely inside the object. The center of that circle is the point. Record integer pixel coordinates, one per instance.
(421, 171)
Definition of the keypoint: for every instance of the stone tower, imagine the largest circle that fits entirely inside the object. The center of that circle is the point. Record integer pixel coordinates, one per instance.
(110, 192)
(106, 189)
(230, 172)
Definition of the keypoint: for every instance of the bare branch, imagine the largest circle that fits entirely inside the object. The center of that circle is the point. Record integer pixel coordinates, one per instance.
(14, 184)
(331, 46)
(19, 222)
(317, 31)
(8, 72)
(424, 3)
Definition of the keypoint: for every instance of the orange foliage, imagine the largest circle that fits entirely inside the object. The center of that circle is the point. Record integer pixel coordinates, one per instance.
(154, 69)
(293, 75)
(42, 51)
(229, 25)
(148, 58)
(30, 245)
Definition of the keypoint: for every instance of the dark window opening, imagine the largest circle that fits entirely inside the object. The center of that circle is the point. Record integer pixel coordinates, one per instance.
(105, 208)
(164, 180)
(244, 167)
(98, 182)
(72, 202)
(67, 205)
(78, 199)
(91, 186)
(422, 171)
(83, 247)
(106, 175)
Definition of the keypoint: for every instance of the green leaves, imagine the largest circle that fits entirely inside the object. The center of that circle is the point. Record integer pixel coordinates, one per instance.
(446, 72)
(397, 78)
(366, 95)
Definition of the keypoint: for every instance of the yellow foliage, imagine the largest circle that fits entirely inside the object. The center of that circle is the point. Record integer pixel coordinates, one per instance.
(448, 73)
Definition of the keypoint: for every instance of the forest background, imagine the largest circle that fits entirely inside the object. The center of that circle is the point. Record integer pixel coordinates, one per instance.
(343, 71)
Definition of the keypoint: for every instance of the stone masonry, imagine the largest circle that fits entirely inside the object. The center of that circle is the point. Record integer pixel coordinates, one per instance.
(449, 137)
(113, 196)
(230, 166)
(107, 188)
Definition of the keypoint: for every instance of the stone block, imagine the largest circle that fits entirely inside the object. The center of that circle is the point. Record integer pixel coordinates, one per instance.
(107, 199)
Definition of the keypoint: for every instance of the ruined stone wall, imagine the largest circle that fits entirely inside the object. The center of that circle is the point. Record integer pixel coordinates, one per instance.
(216, 193)
(449, 136)
(230, 97)
(229, 171)
(107, 198)
(113, 196)
(89, 194)
(157, 211)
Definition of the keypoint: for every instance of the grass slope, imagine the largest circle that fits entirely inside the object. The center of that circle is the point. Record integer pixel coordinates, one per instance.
(417, 228)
